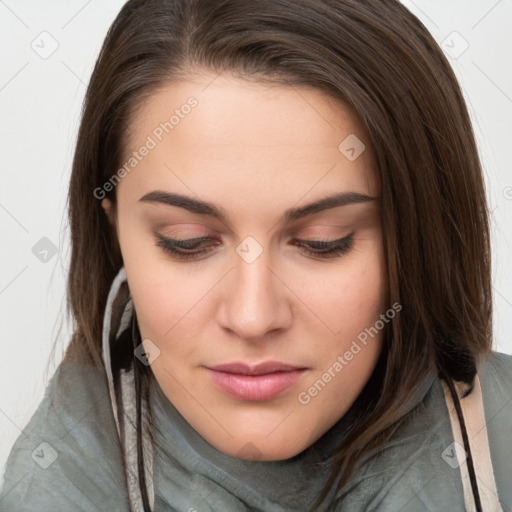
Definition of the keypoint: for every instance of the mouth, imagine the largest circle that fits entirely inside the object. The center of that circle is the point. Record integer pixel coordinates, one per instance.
(255, 383)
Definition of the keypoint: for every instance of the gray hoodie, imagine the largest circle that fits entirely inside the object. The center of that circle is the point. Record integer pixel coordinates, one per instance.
(77, 452)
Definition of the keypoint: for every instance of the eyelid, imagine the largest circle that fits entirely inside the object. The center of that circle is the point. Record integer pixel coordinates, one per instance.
(180, 242)
(324, 241)
(183, 230)
(327, 243)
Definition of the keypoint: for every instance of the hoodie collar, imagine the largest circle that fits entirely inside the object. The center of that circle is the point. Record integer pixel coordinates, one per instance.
(118, 314)
(117, 318)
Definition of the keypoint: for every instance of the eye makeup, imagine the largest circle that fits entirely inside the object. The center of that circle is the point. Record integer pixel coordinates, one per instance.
(199, 247)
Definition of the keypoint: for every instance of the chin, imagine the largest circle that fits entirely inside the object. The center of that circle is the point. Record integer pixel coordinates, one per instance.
(261, 447)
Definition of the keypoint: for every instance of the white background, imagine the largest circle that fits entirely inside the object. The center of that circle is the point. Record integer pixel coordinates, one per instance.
(40, 101)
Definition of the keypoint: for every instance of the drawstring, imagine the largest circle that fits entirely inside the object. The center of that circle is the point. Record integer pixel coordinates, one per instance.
(138, 393)
(471, 468)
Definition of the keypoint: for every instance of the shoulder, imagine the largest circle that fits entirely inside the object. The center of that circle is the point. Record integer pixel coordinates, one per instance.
(496, 367)
(68, 456)
(495, 373)
(414, 471)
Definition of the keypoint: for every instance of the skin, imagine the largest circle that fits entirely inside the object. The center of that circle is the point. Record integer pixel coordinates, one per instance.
(254, 150)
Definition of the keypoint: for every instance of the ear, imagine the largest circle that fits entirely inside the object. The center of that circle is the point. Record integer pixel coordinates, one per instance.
(109, 210)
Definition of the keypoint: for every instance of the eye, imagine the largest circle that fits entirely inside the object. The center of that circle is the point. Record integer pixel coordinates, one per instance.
(327, 248)
(184, 249)
(195, 247)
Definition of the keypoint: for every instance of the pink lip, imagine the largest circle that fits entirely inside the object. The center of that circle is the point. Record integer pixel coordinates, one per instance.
(257, 383)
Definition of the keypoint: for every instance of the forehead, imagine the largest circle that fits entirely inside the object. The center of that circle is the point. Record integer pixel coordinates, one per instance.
(221, 137)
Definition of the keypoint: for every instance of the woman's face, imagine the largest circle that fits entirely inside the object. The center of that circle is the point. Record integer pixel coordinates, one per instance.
(244, 167)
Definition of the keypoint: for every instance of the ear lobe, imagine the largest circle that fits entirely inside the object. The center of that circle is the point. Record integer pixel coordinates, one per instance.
(106, 204)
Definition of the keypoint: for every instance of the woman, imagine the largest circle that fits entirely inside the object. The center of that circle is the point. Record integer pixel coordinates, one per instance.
(280, 274)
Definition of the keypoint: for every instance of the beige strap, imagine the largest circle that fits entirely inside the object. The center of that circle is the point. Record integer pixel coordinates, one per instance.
(129, 445)
(474, 418)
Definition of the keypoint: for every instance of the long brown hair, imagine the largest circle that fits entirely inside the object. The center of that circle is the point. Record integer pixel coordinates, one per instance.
(376, 57)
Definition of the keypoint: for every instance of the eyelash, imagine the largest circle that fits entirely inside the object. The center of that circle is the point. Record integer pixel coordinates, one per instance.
(325, 248)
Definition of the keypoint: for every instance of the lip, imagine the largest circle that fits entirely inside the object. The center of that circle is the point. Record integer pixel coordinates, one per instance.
(256, 369)
(259, 382)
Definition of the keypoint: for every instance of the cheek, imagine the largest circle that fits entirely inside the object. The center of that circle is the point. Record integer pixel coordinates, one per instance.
(351, 303)
(368, 287)
(168, 304)
(350, 297)
(162, 293)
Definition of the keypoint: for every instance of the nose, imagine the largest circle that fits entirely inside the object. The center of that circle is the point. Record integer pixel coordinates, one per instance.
(255, 300)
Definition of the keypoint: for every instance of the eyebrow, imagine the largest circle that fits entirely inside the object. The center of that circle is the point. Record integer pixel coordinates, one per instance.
(205, 208)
